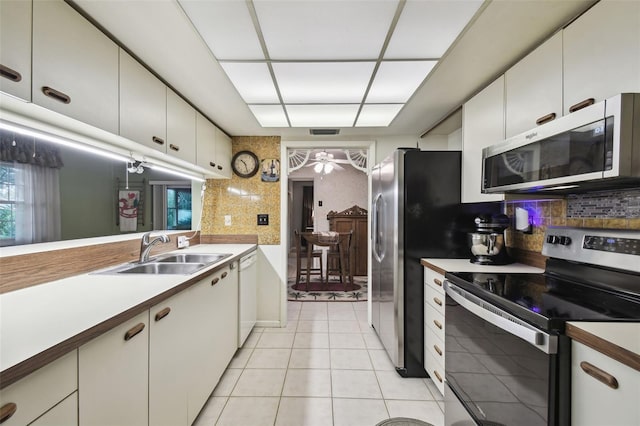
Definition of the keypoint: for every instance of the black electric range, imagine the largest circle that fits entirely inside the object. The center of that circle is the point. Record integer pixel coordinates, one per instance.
(508, 359)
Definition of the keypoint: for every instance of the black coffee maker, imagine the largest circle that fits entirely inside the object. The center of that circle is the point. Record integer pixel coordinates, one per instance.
(487, 244)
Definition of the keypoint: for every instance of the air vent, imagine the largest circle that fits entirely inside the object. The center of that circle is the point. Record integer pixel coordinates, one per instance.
(324, 132)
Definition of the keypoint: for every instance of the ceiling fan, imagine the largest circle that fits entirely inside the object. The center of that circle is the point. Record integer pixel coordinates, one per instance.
(325, 163)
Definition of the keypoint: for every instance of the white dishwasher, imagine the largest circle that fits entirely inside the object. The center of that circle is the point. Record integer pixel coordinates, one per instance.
(247, 295)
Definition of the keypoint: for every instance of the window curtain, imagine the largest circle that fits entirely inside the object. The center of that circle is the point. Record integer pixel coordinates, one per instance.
(37, 204)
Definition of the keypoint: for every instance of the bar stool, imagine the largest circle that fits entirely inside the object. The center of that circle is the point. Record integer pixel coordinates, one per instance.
(315, 253)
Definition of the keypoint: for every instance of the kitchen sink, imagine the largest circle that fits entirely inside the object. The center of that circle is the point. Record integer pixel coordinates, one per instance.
(176, 264)
(192, 258)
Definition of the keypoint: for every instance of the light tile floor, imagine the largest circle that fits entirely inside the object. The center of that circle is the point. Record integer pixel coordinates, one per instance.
(326, 368)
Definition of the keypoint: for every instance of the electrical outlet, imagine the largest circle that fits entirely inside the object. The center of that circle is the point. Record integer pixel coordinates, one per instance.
(227, 220)
(183, 242)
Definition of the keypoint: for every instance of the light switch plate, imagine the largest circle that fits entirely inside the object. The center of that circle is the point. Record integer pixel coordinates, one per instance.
(263, 219)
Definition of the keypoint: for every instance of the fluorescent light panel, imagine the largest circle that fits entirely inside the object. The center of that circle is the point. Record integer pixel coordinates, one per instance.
(226, 28)
(395, 82)
(269, 115)
(323, 82)
(325, 30)
(174, 172)
(252, 80)
(378, 115)
(322, 115)
(426, 29)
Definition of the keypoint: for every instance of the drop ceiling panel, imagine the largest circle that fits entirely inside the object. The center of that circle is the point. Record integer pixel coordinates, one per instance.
(253, 81)
(322, 115)
(395, 82)
(378, 115)
(226, 28)
(426, 29)
(328, 30)
(325, 82)
(269, 115)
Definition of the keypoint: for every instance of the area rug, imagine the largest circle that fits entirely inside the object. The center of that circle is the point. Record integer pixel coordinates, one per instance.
(333, 291)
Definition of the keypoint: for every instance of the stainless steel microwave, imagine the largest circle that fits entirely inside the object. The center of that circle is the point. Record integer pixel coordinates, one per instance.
(597, 147)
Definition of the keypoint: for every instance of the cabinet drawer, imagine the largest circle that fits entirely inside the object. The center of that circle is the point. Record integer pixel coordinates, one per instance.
(434, 321)
(434, 346)
(435, 371)
(434, 298)
(596, 403)
(65, 413)
(41, 390)
(434, 280)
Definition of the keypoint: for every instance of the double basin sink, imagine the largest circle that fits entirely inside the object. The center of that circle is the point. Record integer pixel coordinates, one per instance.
(177, 264)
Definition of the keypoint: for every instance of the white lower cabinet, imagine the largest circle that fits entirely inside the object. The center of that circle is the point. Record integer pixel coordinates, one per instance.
(434, 305)
(113, 376)
(65, 413)
(41, 391)
(603, 390)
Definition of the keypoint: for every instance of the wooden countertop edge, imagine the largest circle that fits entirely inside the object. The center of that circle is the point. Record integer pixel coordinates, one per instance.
(28, 366)
(432, 267)
(601, 345)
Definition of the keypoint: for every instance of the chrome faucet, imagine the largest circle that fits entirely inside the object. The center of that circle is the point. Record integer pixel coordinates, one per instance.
(146, 245)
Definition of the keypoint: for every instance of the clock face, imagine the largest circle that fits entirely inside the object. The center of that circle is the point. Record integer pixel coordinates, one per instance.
(245, 164)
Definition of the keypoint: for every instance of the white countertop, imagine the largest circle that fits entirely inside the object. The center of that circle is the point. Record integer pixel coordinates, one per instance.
(464, 265)
(622, 334)
(37, 318)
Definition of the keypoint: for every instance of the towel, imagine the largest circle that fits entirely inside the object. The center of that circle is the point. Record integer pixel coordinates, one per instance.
(128, 210)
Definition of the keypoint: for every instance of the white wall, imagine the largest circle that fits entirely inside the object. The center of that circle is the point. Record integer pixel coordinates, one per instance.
(454, 140)
(337, 190)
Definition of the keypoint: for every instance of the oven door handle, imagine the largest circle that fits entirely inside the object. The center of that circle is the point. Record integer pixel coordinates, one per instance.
(512, 325)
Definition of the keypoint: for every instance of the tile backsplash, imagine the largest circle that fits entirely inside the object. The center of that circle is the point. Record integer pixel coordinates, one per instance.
(605, 209)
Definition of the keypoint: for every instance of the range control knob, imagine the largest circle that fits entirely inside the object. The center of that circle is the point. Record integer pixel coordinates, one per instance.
(565, 241)
(553, 239)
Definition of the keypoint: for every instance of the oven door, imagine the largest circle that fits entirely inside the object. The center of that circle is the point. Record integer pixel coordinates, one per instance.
(502, 370)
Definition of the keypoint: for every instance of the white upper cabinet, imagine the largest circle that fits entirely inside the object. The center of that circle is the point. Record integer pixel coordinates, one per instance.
(533, 88)
(143, 104)
(602, 53)
(15, 48)
(206, 144)
(223, 154)
(181, 128)
(482, 125)
(75, 66)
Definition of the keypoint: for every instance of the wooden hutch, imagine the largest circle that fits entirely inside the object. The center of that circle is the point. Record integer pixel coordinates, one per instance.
(353, 218)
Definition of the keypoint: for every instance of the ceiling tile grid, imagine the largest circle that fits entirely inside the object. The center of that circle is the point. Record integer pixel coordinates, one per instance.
(350, 63)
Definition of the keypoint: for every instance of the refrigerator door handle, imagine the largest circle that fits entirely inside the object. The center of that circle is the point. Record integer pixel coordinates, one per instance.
(378, 232)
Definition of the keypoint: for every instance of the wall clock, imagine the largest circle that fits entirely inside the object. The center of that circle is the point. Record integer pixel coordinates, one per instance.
(245, 164)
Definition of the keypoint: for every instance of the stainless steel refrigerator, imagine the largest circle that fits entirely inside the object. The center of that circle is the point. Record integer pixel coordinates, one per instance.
(416, 213)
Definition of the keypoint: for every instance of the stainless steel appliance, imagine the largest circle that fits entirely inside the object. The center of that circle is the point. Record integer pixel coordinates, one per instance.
(487, 243)
(416, 213)
(595, 147)
(507, 357)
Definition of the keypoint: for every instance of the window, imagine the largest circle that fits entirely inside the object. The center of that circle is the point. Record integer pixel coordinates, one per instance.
(178, 208)
(7, 204)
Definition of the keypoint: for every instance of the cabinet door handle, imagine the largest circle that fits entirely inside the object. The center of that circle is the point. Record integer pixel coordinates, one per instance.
(7, 410)
(437, 282)
(546, 118)
(232, 266)
(56, 94)
(599, 374)
(438, 324)
(219, 167)
(158, 140)
(215, 281)
(174, 147)
(224, 275)
(583, 104)
(10, 73)
(163, 313)
(438, 301)
(212, 164)
(437, 349)
(435, 373)
(133, 331)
